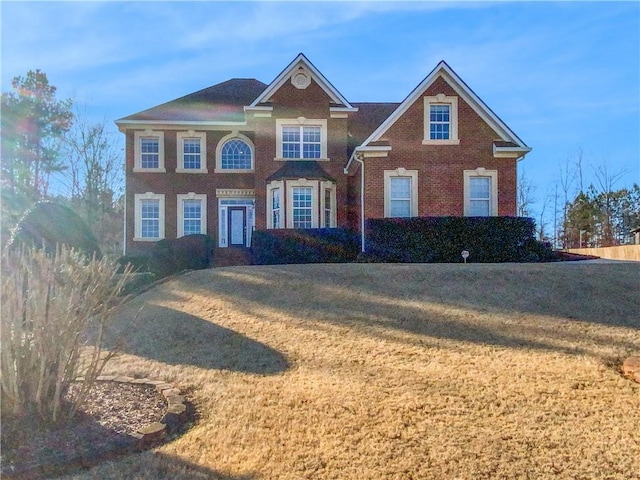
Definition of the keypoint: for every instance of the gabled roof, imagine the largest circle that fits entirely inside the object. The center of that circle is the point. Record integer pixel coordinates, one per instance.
(221, 103)
(301, 61)
(463, 90)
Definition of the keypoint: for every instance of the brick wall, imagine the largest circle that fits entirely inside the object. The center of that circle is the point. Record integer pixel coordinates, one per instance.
(440, 167)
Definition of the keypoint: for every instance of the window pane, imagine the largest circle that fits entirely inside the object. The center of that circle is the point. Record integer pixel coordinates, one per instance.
(480, 187)
(439, 121)
(302, 207)
(192, 216)
(236, 154)
(150, 218)
(479, 208)
(327, 208)
(400, 208)
(275, 208)
(150, 152)
(400, 188)
(191, 152)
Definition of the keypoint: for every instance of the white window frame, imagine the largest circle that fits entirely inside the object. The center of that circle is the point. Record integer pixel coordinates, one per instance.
(275, 185)
(401, 172)
(221, 143)
(493, 198)
(138, 198)
(203, 211)
(180, 138)
(137, 145)
(441, 99)
(300, 122)
(331, 188)
(313, 184)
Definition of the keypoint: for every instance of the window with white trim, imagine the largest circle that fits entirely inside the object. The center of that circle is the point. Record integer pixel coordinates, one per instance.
(302, 207)
(441, 120)
(192, 150)
(149, 151)
(301, 139)
(192, 214)
(235, 153)
(276, 206)
(301, 204)
(149, 217)
(328, 204)
(400, 193)
(480, 193)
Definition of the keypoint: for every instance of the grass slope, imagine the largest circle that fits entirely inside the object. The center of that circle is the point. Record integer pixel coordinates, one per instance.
(388, 371)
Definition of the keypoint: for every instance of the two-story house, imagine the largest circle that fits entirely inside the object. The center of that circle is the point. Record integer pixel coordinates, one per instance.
(243, 155)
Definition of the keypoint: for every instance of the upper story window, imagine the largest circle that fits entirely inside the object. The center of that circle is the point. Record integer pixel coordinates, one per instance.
(235, 153)
(301, 139)
(192, 152)
(480, 193)
(441, 120)
(149, 151)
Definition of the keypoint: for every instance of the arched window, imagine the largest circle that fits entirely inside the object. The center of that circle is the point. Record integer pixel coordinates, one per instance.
(236, 155)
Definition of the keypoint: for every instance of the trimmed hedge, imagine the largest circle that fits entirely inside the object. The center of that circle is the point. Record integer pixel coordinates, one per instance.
(442, 239)
(48, 224)
(191, 252)
(317, 245)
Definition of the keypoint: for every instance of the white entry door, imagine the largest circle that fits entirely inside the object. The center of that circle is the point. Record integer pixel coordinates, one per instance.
(237, 226)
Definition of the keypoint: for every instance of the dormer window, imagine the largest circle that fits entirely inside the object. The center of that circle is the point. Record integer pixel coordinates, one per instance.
(301, 139)
(440, 120)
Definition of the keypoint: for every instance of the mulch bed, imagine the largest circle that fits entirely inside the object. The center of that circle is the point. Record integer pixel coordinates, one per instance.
(101, 430)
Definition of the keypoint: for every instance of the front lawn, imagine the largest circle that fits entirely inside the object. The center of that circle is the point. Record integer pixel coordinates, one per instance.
(374, 371)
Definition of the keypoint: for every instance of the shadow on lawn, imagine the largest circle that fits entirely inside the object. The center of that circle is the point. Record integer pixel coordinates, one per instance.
(153, 465)
(177, 338)
(443, 301)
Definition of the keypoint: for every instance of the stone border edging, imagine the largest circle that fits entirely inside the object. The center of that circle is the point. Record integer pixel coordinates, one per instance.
(145, 437)
(174, 417)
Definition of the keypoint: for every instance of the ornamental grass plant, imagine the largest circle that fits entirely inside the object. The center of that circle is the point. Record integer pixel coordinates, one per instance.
(56, 311)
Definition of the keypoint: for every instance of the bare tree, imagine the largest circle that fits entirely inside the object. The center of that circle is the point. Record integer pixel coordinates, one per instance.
(605, 183)
(97, 178)
(526, 192)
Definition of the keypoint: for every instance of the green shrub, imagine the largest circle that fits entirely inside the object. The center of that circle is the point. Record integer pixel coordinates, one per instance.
(55, 313)
(48, 224)
(319, 245)
(191, 252)
(442, 239)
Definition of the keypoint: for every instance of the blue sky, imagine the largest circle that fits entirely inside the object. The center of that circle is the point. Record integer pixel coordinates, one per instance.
(565, 76)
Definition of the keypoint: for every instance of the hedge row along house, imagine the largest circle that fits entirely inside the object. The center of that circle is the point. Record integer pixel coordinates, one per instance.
(242, 155)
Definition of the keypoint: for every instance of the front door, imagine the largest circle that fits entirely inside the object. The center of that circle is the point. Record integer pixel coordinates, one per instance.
(237, 226)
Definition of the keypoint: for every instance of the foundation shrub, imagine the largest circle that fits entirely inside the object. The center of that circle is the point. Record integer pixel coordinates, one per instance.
(191, 252)
(49, 224)
(317, 245)
(442, 239)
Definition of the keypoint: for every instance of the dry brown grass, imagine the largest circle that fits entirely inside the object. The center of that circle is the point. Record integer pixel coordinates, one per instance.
(375, 371)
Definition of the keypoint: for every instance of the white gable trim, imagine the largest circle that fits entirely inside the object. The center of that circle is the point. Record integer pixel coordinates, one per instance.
(462, 89)
(302, 61)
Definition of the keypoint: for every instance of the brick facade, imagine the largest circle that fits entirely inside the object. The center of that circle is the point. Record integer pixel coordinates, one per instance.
(440, 168)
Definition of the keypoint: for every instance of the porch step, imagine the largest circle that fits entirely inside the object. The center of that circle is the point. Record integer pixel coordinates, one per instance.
(231, 256)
